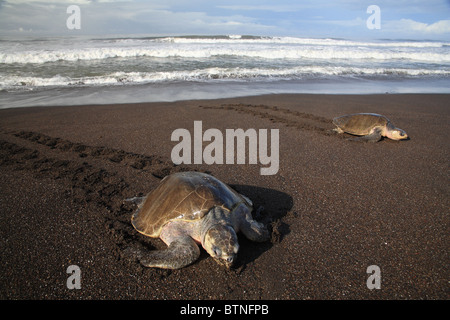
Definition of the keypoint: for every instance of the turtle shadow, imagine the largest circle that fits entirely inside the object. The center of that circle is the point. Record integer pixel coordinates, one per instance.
(357, 139)
(275, 205)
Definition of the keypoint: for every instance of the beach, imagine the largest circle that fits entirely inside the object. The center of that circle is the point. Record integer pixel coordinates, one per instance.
(334, 207)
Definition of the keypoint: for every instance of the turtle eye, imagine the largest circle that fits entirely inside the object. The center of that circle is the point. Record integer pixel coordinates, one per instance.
(217, 252)
(230, 259)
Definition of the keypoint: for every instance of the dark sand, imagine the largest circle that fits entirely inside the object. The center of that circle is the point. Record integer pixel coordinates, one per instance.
(334, 208)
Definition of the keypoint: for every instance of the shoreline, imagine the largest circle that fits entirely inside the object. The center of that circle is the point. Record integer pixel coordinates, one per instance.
(334, 207)
(180, 91)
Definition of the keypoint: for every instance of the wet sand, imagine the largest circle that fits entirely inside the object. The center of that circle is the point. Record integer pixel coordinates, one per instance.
(334, 208)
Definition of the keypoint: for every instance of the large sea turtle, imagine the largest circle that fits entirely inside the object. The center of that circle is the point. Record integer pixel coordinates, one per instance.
(189, 208)
(370, 126)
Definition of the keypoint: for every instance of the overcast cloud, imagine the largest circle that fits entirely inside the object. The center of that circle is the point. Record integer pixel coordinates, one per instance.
(427, 19)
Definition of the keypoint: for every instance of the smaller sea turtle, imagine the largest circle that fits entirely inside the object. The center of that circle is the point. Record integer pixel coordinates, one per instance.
(189, 208)
(370, 126)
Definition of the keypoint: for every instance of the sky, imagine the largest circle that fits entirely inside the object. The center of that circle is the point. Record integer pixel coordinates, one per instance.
(398, 19)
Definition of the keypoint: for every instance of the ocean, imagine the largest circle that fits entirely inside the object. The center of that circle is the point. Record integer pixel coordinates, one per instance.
(72, 71)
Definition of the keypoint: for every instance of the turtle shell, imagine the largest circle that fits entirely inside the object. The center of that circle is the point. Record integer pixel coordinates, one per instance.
(183, 196)
(360, 123)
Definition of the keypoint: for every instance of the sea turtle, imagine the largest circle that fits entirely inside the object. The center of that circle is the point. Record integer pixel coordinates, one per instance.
(370, 126)
(193, 207)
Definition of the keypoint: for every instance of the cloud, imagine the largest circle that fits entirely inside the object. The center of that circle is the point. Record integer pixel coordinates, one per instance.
(322, 18)
(357, 22)
(48, 17)
(48, 1)
(411, 26)
(273, 8)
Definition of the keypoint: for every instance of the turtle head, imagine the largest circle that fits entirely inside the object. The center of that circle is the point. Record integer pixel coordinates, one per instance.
(396, 134)
(221, 243)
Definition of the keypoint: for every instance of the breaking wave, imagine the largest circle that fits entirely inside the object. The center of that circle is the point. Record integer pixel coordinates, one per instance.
(212, 74)
(236, 46)
(64, 62)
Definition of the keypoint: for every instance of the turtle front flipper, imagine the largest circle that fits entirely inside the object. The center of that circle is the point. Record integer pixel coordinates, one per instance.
(253, 230)
(135, 200)
(180, 253)
(374, 136)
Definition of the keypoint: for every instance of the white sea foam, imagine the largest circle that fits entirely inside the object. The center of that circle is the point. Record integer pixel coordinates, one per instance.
(38, 57)
(235, 39)
(210, 74)
(126, 61)
(264, 48)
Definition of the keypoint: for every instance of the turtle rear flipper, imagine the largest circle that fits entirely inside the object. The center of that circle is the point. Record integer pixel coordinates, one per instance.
(374, 136)
(180, 253)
